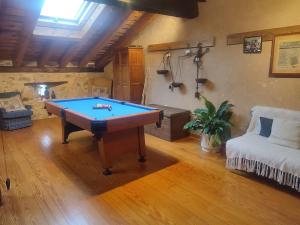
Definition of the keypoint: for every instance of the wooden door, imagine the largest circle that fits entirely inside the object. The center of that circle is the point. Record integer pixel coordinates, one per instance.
(129, 74)
(137, 74)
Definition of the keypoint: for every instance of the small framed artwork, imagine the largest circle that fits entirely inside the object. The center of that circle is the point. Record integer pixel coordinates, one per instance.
(285, 57)
(253, 45)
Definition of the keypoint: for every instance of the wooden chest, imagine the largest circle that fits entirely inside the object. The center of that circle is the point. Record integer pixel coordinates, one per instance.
(172, 124)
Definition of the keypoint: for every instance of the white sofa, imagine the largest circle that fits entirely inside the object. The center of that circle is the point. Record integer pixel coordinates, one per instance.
(256, 154)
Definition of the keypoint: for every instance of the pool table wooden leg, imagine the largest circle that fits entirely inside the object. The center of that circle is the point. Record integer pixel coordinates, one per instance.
(67, 129)
(142, 145)
(105, 157)
(64, 132)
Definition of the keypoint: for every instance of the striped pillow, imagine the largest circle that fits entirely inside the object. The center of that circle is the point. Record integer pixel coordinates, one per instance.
(12, 104)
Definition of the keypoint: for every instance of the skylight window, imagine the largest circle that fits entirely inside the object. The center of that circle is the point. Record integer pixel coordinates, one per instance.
(63, 9)
(67, 18)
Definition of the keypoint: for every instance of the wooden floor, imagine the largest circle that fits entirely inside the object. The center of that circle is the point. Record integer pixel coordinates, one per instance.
(62, 184)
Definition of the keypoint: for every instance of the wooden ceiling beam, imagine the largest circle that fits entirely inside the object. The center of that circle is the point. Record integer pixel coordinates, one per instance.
(3, 8)
(69, 54)
(140, 25)
(8, 36)
(47, 53)
(179, 8)
(106, 39)
(100, 21)
(32, 11)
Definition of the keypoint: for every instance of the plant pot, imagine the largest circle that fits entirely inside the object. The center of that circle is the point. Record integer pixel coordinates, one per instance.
(207, 144)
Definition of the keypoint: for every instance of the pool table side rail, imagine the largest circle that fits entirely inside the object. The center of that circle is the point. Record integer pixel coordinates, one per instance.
(70, 99)
(53, 108)
(79, 120)
(106, 99)
(75, 118)
(129, 104)
(61, 111)
(108, 125)
(134, 120)
(113, 123)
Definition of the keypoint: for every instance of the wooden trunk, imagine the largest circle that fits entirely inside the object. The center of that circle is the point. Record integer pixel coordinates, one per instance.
(172, 124)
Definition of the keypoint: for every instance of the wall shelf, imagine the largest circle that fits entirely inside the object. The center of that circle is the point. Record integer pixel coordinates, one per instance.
(208, 43)
(50, 84)
(267, 34)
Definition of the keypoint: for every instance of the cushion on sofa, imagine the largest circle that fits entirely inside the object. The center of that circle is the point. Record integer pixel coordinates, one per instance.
(286, 133)
(270, 112)
(265, 126)
(12, 103)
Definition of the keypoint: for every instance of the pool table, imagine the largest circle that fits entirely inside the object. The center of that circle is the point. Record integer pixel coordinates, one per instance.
(117, 130)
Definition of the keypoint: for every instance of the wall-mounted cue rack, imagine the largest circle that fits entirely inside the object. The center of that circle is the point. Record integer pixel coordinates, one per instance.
(202, 49)
(170, 46)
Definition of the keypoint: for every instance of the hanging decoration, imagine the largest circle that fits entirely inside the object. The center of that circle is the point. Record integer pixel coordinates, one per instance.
(168, 70)
(198, 61)
(165, 62)
(174, 83)
(166, 65)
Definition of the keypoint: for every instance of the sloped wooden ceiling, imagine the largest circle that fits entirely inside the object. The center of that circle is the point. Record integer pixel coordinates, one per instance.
(21, 50)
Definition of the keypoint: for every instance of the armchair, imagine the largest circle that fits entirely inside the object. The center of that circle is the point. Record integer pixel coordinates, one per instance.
(14, 119)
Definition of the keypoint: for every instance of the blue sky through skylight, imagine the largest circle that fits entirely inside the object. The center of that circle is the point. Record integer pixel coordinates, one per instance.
(64, 9)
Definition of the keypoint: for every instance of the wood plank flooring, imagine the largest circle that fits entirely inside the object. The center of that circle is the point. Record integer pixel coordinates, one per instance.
(62, 184)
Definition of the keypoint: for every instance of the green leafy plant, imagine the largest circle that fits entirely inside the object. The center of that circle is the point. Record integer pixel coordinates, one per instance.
(213, 122)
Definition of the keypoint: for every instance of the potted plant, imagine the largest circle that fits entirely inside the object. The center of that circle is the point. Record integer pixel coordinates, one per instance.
(213, 124)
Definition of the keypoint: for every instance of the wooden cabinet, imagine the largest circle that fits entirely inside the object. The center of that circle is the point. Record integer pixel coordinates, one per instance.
(129, 74)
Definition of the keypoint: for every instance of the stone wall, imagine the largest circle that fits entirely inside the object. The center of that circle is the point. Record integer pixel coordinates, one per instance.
(78, 85)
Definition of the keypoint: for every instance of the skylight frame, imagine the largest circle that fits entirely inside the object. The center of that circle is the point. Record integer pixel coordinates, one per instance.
(82, 9)
(83, 13)
(62, 9)
(71, 32)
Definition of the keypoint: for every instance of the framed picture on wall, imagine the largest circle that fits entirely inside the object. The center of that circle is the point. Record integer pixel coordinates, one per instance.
(285, 57)
(252, 45)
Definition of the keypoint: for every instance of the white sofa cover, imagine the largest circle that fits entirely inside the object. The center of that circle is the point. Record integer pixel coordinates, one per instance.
(254, 153)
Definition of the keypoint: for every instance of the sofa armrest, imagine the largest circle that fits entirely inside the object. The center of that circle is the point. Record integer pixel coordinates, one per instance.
(16, 114)
(28, 107)
(2, 111)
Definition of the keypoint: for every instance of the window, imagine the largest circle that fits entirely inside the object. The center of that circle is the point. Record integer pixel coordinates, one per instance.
(62, 9)
(42, 90)
(66, 12)
(67, 18)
